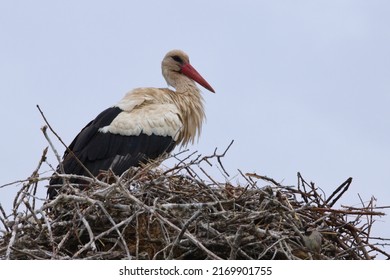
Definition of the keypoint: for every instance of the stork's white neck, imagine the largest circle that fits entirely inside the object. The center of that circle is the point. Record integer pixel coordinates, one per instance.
(186, 85)
(189, 101)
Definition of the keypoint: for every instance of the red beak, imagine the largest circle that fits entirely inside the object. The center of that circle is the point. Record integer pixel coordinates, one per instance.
(191, 73)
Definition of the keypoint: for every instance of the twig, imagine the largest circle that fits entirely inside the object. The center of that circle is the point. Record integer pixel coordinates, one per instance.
(265, 178)
(13, 237)
(192, 206)
(193, 218)
(66, 147)
(4, 218)
(236, 243)
(219, 156)
(44, 131)
(49, 230)
(342, 189)
(350, 212)
(90, 233)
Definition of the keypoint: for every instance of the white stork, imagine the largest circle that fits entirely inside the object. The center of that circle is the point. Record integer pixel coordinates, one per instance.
(145, 124)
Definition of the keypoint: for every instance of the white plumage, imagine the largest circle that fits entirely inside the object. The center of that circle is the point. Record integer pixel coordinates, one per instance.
(157, 119)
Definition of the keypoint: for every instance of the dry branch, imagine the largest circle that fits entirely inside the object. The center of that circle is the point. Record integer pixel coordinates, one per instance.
(184, 213)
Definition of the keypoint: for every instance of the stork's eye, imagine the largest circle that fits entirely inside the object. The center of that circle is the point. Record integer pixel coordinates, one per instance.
(177, 59)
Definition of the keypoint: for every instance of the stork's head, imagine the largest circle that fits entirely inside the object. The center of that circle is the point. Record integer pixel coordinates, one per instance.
(175, 65)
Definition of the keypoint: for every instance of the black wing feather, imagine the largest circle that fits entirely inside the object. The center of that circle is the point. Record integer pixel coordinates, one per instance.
(84, 137)
(102, 151)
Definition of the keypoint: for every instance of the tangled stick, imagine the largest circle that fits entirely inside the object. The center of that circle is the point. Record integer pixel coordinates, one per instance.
(183, 212)
(151, 213)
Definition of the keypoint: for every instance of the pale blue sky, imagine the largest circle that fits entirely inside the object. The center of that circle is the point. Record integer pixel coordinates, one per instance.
(300, 85)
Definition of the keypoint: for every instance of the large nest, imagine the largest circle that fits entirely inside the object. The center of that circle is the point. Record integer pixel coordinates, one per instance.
(184, 213)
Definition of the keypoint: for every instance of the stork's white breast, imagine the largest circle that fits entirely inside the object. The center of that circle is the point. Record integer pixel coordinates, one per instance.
(157, 119)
